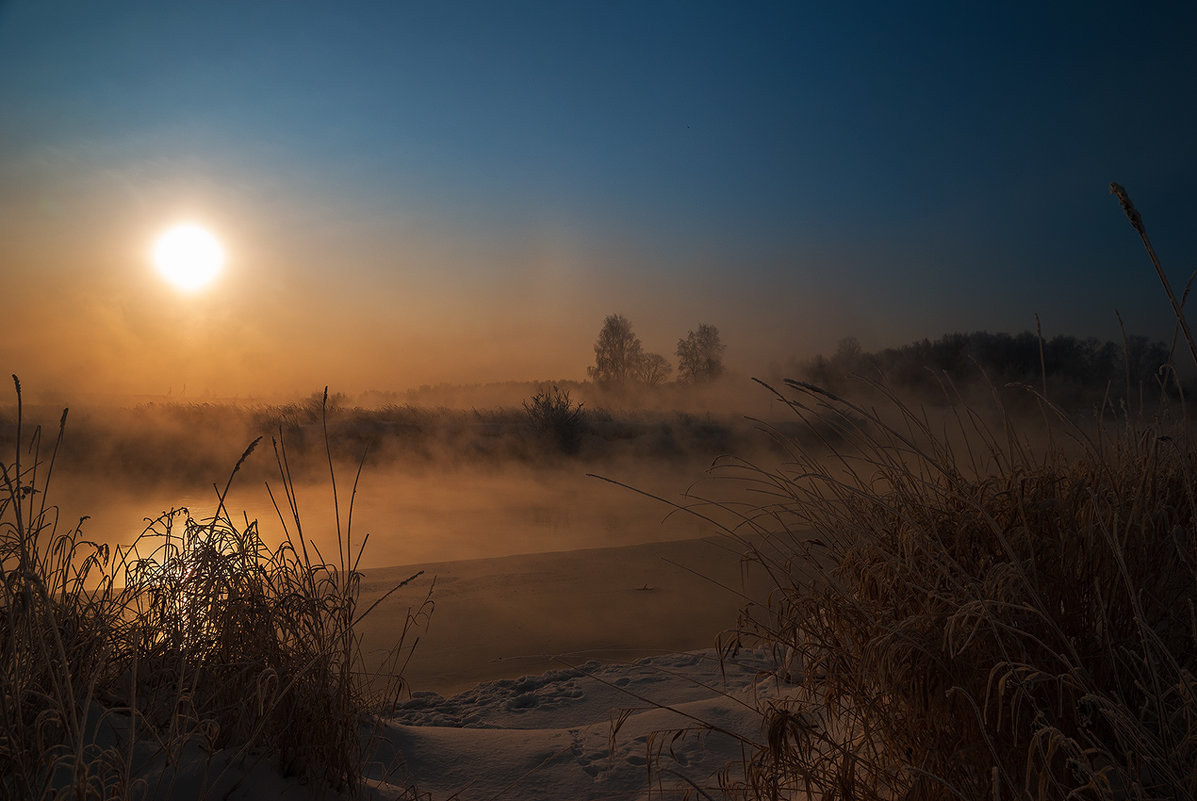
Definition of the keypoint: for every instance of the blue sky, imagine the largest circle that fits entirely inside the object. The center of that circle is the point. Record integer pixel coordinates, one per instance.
(462, 191)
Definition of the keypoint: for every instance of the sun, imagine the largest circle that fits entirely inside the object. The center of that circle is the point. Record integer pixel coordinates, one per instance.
(188, 256)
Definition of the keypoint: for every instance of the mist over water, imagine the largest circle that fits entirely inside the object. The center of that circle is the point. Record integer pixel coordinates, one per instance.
(435, 515)
(525, 557)
(500, 519)
(436, 484)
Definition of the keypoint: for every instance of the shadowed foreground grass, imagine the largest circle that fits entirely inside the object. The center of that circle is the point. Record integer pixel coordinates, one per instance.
(1015, 620)
(146, 672)
(1005, 610)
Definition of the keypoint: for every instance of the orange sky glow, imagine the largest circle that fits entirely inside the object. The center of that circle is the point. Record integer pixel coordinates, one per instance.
(409, 197)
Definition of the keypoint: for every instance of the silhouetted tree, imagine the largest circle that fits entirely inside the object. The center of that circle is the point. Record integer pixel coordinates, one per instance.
(654, 369)
(618, 355)
(700, 355)
(848, 360)
(848, 350)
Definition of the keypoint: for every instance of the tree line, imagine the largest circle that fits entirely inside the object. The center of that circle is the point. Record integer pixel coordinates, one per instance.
(620, 358)
(1076, 371)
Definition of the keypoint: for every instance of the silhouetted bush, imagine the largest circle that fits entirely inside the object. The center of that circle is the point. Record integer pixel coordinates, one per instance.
(554, 417)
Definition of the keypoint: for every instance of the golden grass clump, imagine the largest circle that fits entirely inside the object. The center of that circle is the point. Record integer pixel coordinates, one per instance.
(972, 608)
(149, 671)
(1015, 621)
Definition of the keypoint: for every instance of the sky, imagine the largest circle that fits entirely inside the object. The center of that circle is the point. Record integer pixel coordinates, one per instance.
(416, 193)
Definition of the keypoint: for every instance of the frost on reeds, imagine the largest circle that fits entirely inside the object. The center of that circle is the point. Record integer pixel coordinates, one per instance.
(969, 606)
(1012, 621)
(147, 672)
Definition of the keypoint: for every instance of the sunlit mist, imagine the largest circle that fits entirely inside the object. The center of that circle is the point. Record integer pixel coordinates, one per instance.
(188, 256)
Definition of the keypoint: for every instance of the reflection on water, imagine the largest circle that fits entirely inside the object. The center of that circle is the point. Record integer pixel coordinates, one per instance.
(437, 516)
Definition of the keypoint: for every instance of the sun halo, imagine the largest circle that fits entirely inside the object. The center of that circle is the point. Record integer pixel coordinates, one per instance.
(188, 256)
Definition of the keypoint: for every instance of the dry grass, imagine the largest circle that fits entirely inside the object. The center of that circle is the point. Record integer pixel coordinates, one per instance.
(1012, 622)
(117, 665)
(971, 607)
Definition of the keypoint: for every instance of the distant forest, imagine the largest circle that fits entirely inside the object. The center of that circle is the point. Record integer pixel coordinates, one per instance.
(1078, 372)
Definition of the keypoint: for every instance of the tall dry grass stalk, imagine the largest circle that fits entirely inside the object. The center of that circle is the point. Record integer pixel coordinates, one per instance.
(119, 666)
(1014, 622)
(969, 606)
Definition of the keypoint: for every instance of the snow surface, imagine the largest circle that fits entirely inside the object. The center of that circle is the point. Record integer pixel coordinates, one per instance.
(664, 724)
(662, 727)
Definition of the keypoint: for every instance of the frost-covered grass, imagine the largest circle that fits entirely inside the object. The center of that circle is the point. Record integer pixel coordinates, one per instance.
(1004, 609)
(147, 672)
(1003, 619)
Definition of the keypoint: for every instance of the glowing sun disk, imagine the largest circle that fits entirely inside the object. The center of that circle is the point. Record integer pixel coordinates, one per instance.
(188, 256)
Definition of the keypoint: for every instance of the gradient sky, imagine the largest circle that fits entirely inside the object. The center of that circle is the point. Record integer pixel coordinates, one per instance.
(413, 193)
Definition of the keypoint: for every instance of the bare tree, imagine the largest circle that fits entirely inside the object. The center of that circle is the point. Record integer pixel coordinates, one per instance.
(654, 369)
(618, 355)
(700, 355)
